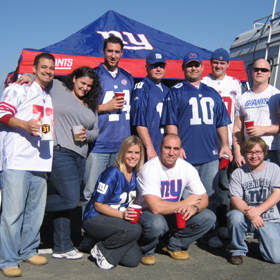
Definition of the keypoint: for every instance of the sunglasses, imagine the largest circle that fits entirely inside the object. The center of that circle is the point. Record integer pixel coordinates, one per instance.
(264, 70)
(156, 65)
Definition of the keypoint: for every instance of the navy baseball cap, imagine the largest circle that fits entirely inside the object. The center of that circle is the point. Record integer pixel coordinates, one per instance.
(192, 57)
(220, 54)
(155, 57)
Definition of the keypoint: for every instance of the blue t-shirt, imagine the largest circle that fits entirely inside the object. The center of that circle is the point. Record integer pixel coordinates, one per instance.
(146, 106)
(113, 126)
(197, 113)
(112, 188)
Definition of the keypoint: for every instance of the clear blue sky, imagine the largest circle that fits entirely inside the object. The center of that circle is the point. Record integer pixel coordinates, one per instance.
(210, 24)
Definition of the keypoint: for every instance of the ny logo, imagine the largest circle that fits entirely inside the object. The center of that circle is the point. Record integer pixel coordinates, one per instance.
(171, 191)
(132, 44)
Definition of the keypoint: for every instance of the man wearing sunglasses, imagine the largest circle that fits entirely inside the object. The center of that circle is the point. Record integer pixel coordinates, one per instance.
(254, 193)
(261, 105)
(147, 100)
(197, 114)
(229, 88)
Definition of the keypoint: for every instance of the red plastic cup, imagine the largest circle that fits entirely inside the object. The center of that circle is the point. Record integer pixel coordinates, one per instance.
(119, 94)
(249, 123)
(137, 208)
(224, 162)
(181, 223)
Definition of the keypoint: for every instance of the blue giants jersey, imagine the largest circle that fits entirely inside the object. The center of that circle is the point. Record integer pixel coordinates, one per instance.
(113, 126)
(113, 189)
(146, 106)
(197, 113)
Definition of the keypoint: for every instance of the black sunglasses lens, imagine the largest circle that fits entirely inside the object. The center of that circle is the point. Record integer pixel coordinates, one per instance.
(161, 65)
(264, 70)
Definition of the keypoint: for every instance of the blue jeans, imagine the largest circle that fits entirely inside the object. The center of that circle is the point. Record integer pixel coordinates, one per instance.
(155, 226)
(96, 163)
(223, 191)
(208, 173)
(65, 179)
(117, 239)
(23, 207)
(268, 236)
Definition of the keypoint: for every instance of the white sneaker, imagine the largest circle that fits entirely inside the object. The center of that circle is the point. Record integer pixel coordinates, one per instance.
(223, 233)
(100, 259)
(71, 255)
(215, 242)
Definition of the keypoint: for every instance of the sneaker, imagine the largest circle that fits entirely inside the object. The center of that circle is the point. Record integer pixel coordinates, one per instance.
(148, 260)
(179, 256)
(223, 233)
(100, 259)
(249, 235)
(87, 244)
(37, 260)
(71, 255)
(12, 272)
(215, 242)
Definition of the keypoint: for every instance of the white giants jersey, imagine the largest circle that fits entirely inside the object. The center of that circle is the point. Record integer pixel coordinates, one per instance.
(21, 150)
(229, 88)
(262, 108)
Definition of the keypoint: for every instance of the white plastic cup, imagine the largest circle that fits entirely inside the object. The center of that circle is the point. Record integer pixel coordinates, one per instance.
(76, 132)
(46, 129)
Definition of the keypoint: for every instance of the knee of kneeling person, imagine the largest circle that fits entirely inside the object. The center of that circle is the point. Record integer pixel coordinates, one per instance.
(209, 216)
(235, 217)
(156, 226)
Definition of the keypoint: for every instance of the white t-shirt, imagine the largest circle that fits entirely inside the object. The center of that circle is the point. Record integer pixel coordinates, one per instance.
(229, 88)
(167, 183)
(21, 150)
(263, 109)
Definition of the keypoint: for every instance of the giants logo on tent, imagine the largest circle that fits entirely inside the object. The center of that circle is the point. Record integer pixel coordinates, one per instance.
(63, 63)
(141, 43)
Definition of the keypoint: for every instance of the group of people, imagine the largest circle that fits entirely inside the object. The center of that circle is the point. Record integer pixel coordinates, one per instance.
(180, 133)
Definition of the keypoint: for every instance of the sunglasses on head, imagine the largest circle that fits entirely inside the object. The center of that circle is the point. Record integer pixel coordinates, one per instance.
(156, 65)
(264, 70)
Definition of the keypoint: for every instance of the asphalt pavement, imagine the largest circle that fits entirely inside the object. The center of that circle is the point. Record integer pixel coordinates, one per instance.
(204, 263)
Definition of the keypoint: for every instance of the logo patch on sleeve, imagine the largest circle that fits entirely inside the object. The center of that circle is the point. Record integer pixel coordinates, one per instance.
(102, 188)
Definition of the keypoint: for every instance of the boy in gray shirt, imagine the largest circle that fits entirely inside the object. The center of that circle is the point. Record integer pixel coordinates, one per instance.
(255, 192)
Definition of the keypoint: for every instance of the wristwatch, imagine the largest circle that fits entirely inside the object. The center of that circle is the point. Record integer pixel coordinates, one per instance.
(196, 208)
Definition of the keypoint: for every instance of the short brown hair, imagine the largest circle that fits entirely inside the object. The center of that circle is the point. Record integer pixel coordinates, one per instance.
(251, 142)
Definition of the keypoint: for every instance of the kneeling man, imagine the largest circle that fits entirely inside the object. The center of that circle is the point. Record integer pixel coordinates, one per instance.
(255, 191)
(160, 185)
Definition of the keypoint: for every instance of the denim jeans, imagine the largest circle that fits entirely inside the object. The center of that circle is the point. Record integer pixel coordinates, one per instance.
(155, 226)
(67, 174)
(96, 163)
(208, 173)
(117, 239)
(268, 236)
(223, 191)
(23, 208)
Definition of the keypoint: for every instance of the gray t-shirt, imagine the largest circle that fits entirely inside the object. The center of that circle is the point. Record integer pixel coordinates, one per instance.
(254, 187)
(69, 112)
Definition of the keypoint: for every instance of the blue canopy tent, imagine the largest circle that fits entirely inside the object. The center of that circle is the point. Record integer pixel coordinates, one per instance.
(84, 48)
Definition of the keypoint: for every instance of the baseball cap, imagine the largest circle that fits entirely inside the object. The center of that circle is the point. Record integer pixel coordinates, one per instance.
(155, 57)
(220, 54)
(192, 57)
